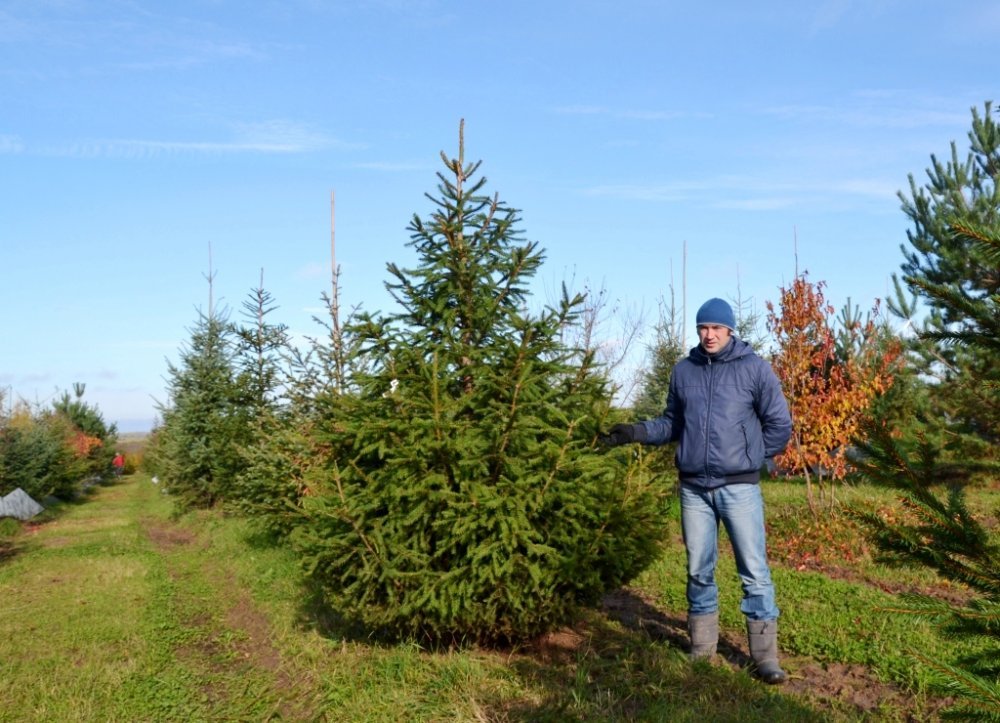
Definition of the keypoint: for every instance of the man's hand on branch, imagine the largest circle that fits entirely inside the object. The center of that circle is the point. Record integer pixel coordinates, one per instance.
(619, 434)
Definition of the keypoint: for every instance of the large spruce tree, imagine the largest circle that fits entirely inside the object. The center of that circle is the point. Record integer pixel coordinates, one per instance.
(465, 500)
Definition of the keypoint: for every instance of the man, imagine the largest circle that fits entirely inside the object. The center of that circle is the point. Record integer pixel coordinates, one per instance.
(118, 463)
(726, 411)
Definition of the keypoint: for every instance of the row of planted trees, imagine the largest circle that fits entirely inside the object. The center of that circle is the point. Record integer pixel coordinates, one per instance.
(53, 450)
(436, 468)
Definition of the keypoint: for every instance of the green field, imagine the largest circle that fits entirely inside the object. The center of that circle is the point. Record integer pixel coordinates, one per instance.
(113, 610)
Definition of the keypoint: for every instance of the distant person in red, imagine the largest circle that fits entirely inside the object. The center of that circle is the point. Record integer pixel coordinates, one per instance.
(118, 463)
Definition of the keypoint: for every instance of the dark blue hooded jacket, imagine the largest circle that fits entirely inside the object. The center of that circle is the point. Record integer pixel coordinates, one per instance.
(727, 412)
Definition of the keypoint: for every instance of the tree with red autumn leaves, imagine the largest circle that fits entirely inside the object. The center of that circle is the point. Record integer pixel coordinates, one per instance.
(829, 378)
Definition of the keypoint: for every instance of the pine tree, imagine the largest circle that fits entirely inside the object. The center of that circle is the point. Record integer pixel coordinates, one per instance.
(465, 501)
(267, 471)
(293, 456)
(908, 408)
(37, 454)
(258, 355)
(955, 269)
(85, 417)
(663, 354)
(749, 321)
(204, 423)
(948, 265)
(937, 530)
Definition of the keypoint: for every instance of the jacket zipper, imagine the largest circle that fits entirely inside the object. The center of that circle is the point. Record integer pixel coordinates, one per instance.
(708, 416)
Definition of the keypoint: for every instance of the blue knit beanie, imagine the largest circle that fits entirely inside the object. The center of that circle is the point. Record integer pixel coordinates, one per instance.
(716, 311)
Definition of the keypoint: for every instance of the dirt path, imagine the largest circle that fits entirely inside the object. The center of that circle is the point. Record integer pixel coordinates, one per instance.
(113, 610)
(232, 636)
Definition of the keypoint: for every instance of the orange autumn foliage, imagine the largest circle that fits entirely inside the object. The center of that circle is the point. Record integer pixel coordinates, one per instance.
(828, 393)
(83, 444)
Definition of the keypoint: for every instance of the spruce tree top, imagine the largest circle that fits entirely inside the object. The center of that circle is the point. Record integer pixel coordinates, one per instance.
(473, 266)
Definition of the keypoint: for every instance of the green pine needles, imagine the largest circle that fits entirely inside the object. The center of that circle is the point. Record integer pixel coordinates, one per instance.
(464, 499)
(950, 438)
(205, 425)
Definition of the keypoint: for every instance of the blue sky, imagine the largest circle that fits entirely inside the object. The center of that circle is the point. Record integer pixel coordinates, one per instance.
(137, 135)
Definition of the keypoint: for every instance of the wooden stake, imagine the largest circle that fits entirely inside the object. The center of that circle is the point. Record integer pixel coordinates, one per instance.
(684, 294)
(333, 242)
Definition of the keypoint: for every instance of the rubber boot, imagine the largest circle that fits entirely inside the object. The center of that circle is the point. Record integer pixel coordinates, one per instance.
(704, 632)
(763, 638)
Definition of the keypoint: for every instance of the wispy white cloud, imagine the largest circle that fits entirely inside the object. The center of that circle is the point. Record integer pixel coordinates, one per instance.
(747, 194)
(873, 115)
(871, 187)
(828, 14)
(83, 39)
(959, 23)
(290, 136)
(271, 137)
(145, 148)
(654, 115)
(623, 143)
(983, 20)
(393, 167)
(193, 55)
(24, 380)
(10, 144)
(154, 344)
(721, 196)
(660, 192)
(14, 28)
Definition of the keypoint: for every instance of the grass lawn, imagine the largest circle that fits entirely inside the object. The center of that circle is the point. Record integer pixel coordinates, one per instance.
(114, 611)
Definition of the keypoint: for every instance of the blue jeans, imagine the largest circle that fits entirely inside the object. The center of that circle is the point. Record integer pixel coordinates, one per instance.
(740, 507)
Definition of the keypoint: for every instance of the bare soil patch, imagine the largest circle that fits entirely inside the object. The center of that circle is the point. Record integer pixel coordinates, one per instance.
(255, 643)
(166, 536)
(8, 551)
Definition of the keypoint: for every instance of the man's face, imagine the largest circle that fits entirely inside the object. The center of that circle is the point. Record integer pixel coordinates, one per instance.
(714, 337)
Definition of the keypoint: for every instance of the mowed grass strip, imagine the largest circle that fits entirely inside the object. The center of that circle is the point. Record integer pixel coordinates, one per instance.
(115, 610)
(103, 621)
(75, 628)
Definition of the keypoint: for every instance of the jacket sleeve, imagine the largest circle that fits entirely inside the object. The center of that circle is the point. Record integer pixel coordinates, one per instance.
(772, 410)
(665, 428)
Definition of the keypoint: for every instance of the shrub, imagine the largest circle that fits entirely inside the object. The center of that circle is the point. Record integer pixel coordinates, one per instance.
(38, 455)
